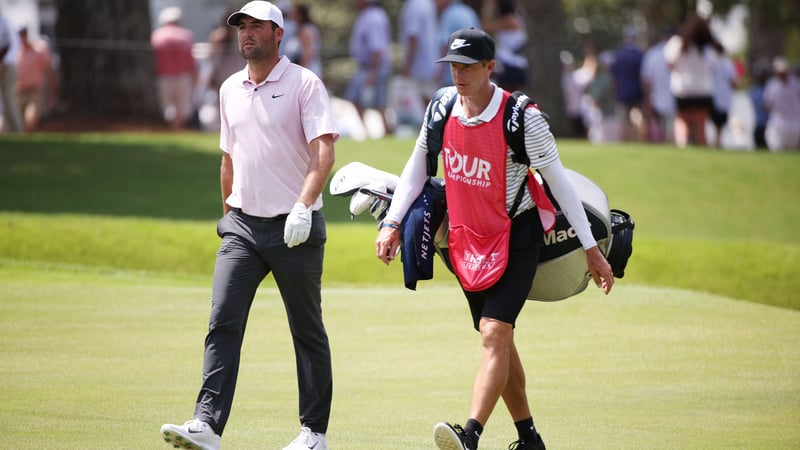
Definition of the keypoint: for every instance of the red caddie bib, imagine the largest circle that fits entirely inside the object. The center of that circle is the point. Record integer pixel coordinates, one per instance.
(475, 173)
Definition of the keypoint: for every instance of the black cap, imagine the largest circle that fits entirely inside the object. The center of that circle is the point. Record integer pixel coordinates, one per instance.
(469, 46)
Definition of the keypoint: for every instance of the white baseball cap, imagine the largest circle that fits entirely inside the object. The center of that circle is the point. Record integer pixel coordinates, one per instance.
(170, 15)
(260, 10)
(780, 64)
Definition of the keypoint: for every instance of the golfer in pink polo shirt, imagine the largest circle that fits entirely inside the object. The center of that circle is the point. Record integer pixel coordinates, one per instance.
(277, 136)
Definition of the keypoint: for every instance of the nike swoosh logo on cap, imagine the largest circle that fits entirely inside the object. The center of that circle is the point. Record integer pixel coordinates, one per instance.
(459, 43)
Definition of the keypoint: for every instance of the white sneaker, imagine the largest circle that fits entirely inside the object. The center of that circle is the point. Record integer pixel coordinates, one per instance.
(192, 435)
(308, 440)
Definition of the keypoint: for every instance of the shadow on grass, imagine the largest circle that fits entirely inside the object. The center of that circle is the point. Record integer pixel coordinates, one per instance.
(153, 175)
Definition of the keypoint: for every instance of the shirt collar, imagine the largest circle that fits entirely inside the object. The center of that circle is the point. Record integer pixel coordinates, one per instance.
(274, 75)
(487, 114)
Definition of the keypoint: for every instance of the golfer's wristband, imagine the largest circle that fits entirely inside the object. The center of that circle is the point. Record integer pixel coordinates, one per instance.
(390, 225)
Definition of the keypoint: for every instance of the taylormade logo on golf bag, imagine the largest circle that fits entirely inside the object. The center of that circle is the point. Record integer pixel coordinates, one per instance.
(558, 236)
(465, 169)
(563, 239)
(513, 124)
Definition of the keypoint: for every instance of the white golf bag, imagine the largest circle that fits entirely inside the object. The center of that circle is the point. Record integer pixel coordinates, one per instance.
(561, 272)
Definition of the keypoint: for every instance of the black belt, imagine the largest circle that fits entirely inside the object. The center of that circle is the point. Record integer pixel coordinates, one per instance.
(263, 219)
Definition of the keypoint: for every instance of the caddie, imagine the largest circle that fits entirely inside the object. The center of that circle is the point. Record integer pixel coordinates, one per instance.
(495, 235)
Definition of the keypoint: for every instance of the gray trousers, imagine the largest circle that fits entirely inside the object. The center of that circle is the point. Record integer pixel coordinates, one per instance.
(252, 248)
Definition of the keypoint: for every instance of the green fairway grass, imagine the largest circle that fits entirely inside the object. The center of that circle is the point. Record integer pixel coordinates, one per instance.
(107, 245)
(719, 222)
(99, 360)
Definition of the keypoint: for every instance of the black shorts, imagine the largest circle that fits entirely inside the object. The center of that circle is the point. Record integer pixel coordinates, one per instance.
(505, 299)
(720, 118)
(685, 103)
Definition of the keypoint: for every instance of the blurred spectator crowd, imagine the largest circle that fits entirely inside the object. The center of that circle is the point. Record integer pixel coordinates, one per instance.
(684, 88)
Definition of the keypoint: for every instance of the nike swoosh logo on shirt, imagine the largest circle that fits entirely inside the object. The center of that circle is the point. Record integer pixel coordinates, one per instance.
(276, 96)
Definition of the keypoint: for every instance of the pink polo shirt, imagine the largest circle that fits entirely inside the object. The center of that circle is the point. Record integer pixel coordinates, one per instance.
(266, 129)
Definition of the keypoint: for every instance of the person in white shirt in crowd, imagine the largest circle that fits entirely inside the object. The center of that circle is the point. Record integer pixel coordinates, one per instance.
(782, 100)
(371, 48)
(290, 45)
(453, 16)
(691, 56)
(417, 23)
(573, 94)
(9, 48)
(584, 74)
(658, 104)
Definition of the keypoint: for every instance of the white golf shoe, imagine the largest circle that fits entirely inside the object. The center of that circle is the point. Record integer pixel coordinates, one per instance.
(192, 435)
(308, 440)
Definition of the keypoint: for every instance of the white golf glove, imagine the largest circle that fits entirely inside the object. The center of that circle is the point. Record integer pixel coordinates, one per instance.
(298, 225)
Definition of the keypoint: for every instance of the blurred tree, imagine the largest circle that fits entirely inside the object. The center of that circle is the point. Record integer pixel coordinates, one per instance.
(107, 66)
(771, 26)
(546, 38)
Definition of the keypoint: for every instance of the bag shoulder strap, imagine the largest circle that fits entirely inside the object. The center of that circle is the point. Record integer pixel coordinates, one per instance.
(514, 125)
(514, 129)
(438, 112)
